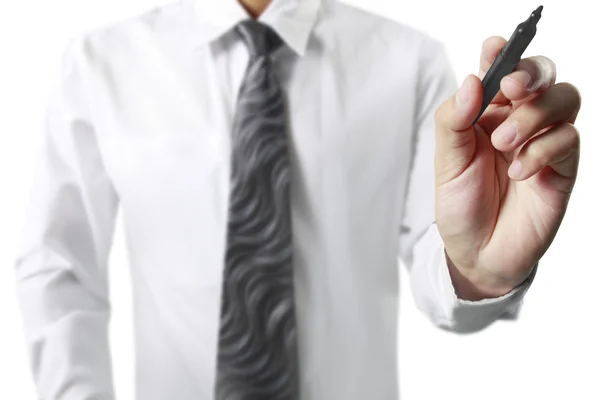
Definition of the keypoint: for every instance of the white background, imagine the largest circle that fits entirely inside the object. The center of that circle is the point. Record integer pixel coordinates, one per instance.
(552, 352)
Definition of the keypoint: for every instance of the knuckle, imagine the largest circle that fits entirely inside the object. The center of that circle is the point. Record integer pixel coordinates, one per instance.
(441, 113)
(546, 63)
(573, 93)
(493, 40)
(533, 113)
(572, 133)
(543, 70)
(568, 89)
(536, 154)
(549, 68)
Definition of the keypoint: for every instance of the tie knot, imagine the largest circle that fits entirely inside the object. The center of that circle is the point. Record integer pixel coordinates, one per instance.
(260, 38)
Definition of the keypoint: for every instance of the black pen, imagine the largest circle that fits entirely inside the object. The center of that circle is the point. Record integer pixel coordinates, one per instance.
(508, 58)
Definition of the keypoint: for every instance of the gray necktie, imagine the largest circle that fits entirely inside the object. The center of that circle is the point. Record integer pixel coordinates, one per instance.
(257, 357)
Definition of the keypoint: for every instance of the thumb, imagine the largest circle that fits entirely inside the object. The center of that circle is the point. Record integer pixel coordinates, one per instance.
(455, 136)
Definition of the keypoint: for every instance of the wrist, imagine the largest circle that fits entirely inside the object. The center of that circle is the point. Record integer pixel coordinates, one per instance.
(476, 284)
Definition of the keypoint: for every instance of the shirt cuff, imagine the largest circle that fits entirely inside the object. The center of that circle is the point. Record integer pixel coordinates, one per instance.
(470, 316)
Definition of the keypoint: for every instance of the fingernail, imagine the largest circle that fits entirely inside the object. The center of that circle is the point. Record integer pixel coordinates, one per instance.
(507, 132)
(462, 97)
(522, 78)
(515, 169)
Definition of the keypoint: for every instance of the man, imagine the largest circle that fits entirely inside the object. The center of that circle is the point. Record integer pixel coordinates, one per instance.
(272, 160)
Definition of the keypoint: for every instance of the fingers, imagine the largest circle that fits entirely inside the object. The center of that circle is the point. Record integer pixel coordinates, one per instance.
(557, 148)
(538, 118)
(489, 51)
(458, 112)
(533, 74)
(455, 137)
(556, 105)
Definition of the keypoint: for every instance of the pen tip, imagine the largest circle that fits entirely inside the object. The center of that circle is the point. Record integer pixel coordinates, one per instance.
(537, 14)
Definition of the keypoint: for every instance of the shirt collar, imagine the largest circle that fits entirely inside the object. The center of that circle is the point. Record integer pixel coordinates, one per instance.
(293, 20)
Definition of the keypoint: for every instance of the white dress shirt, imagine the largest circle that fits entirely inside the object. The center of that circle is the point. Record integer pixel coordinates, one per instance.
(139, 117)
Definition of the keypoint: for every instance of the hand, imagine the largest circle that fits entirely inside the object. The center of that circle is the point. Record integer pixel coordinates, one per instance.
(502, 186)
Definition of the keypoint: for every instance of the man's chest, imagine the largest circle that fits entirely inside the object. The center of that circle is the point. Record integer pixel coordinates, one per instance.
(165, 129)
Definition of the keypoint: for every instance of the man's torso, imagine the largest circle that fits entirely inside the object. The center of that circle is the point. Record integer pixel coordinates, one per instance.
(162, 111)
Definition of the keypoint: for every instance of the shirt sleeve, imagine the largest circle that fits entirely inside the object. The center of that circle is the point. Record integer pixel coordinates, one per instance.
(61, 265)
(421, 247)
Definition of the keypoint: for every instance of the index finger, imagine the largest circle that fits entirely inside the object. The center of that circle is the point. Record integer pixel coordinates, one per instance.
(489, 51)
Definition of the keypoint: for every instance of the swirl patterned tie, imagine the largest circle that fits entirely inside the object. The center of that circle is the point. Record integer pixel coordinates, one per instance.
(257, 356)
